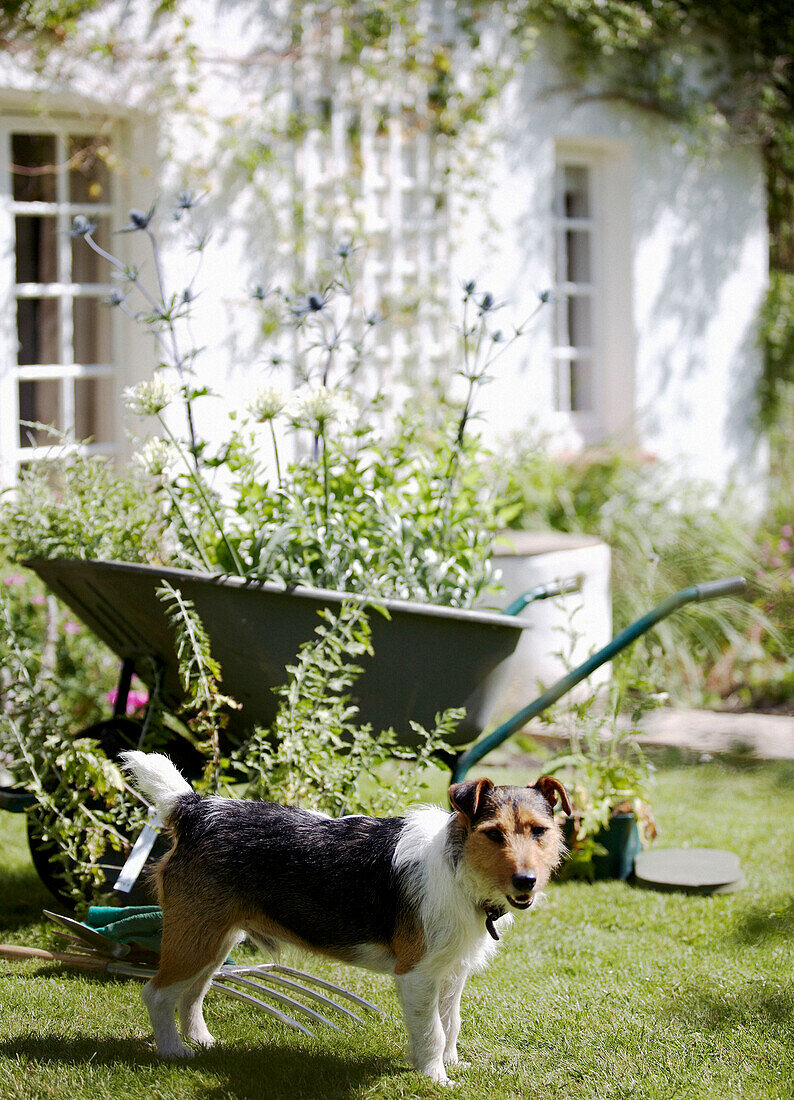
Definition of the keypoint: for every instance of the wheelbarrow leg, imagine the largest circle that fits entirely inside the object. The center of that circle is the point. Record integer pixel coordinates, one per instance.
(123, 690)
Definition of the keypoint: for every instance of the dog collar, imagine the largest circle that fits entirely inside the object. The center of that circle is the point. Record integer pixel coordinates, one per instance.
(492, 913)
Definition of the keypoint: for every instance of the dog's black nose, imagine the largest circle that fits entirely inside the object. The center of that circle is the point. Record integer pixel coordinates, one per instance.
(524, 883)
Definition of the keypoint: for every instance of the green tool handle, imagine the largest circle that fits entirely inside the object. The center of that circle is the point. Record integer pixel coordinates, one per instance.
(544, 592)
(696, 593)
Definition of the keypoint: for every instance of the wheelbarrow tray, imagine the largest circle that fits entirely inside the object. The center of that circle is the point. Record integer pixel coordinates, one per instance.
(426, 658)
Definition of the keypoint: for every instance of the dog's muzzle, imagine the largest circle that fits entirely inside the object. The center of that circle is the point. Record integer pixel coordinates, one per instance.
(524, 884)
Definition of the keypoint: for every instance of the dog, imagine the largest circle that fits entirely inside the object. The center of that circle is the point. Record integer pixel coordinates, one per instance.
(423, 897)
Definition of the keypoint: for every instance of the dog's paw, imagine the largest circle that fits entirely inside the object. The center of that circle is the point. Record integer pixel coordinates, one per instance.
(173, 1054)
(204, 1040)
(451, 1059)
(436, 1072)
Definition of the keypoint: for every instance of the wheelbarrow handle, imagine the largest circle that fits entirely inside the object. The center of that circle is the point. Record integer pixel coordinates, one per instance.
(695, 593)
(711, 590)
(544, 592)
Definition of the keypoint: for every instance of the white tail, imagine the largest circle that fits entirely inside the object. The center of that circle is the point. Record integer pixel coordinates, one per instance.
(158, 780)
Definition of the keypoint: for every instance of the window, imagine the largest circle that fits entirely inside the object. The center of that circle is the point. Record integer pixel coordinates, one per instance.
(575, 290)
(59, 367)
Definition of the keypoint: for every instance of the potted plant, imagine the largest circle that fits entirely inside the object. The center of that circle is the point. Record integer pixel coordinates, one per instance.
(608, 777)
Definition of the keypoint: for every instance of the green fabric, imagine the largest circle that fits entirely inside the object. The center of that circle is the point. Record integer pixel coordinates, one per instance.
(139, 925)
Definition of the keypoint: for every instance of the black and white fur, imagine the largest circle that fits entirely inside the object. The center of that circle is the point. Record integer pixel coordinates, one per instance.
(397, 895)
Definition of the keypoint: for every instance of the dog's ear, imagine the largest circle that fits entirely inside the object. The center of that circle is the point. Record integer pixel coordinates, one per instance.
(467, 797)
(550, 787)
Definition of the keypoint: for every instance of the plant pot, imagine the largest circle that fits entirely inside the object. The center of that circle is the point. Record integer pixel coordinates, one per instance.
(621, 841)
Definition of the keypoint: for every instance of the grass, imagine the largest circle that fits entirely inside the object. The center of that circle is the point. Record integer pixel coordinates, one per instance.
(607, 991)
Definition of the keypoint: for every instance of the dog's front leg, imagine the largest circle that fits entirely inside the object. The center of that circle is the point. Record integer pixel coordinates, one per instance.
(419, 998)
(449, 1010)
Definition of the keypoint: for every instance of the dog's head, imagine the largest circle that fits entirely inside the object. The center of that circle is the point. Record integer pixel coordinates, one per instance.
(510, 838)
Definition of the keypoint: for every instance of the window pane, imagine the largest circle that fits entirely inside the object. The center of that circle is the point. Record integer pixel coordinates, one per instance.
(93, 409)
(36, 250)
(89, 179)
(581, 385)
(87, 267)
(92, 322)
(580, 322)
(33, 159)
(577, 256)
(576, 191)
(561, 386)
(37, 331)
(40, 403)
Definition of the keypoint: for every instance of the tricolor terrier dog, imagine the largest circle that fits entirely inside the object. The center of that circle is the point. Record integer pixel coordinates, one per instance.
(420, 897)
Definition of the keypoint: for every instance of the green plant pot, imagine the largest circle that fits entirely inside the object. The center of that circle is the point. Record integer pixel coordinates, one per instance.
(621, 841)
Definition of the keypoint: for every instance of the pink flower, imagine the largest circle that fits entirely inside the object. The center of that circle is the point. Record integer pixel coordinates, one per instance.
(71, 627)
(784, 546)
(13, 579)
(135, 699)
(787, 531)
(38, 599)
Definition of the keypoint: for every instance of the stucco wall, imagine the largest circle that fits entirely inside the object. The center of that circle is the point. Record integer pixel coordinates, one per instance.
(683, 263)
(684, 270)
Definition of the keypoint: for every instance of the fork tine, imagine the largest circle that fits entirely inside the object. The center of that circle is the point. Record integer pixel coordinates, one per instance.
(282, 998)
(238, 994)
(303, 976)
(310, 993)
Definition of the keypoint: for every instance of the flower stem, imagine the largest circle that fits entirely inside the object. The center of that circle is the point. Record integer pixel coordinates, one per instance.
(195, 477)
(275, 452)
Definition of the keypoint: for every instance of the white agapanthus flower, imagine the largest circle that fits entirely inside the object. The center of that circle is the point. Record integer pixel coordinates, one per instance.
(150, 397)
(267, 404)
(317, 407)
(157, 456)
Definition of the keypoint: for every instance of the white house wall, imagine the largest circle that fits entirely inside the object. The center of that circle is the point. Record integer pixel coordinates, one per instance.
(683, 259)
(684, 270)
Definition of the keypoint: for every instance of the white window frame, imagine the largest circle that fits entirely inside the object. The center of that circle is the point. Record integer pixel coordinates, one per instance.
(67, 371)
(400, 203)
(586, 424)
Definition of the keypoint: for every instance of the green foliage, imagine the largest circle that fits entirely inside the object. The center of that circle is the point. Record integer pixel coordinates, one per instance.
(381, 520)
(317, 755)
(206, 708)
(80, 506)
(51, 19)
(604, 770)
(39, 627)
(79, 805)
(777, 341)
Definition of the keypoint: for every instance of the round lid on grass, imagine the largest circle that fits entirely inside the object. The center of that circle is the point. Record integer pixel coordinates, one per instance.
(690, 870)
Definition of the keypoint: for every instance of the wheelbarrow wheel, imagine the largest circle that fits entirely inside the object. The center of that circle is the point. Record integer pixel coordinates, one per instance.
(44, 853)
(114, 735)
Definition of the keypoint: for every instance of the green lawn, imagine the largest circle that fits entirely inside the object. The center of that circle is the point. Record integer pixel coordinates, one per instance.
(606, 991)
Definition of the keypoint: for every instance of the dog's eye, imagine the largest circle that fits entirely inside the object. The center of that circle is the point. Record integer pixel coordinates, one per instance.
(496, 835)
(539, 831)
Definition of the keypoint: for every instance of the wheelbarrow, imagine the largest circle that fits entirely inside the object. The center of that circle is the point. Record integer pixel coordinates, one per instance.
(426, 658)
